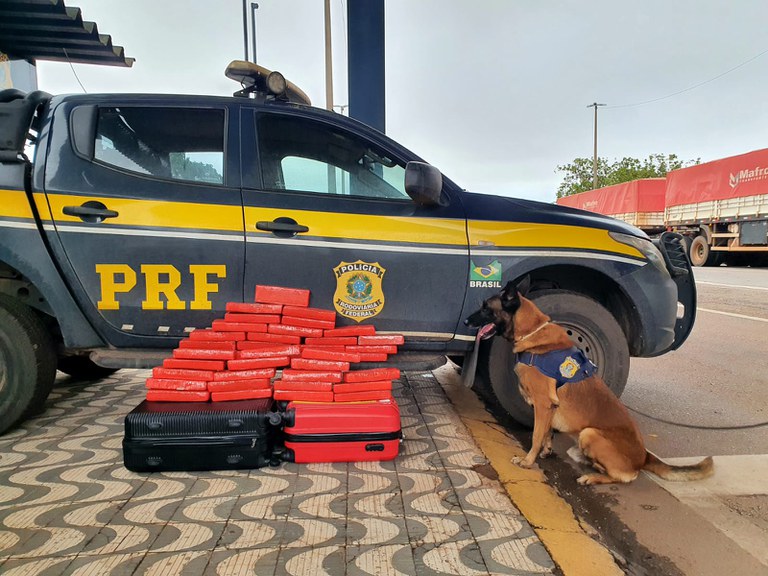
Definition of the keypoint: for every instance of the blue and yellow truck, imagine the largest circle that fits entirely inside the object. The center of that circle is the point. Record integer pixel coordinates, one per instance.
(128, 220)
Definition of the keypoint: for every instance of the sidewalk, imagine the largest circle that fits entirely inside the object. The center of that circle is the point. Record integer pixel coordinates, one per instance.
(68, 506)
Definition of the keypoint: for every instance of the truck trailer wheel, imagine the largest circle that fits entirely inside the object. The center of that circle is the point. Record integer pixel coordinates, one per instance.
(27, 362)
(83, 368)
(701, 255)
(591, 327)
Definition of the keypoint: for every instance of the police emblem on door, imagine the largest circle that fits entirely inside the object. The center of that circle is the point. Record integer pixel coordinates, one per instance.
(358, 289)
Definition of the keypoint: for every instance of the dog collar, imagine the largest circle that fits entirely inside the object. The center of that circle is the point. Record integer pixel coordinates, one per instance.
(531, 333)
(564, 366)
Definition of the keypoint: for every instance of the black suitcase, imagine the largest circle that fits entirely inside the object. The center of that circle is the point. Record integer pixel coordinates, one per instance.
(186, 436)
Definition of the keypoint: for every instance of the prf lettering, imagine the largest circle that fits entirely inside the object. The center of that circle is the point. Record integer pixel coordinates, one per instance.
(161, 282)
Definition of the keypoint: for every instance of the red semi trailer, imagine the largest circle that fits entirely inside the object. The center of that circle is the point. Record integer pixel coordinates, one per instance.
(720, 207)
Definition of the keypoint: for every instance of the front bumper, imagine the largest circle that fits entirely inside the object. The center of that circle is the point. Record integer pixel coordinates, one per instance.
(672, 247)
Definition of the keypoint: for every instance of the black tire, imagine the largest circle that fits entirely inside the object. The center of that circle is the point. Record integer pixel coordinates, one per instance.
(27, 362)
(699, 251)
(590, 326)
(701, 254)
(83, 368)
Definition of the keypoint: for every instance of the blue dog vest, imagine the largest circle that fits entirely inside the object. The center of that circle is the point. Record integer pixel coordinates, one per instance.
(564, 366)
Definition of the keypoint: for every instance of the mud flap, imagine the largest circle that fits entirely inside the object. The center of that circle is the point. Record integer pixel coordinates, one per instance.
(469, 369)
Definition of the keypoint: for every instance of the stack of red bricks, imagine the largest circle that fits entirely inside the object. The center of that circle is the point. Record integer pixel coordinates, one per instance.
(238, 357)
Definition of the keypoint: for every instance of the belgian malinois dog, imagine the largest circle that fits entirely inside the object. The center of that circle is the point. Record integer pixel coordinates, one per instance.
(567, 395)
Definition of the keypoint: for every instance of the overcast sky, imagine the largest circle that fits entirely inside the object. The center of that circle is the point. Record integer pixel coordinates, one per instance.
(492, 92)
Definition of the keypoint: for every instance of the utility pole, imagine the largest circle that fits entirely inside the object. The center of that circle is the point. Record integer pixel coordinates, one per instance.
(594, 157)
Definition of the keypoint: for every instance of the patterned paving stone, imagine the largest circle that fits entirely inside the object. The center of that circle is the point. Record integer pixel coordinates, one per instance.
(68, 506)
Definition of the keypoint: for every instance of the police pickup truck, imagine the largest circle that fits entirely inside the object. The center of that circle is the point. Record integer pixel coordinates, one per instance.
(128, 220)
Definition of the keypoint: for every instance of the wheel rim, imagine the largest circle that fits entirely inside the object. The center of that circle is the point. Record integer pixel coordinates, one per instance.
(586, 341)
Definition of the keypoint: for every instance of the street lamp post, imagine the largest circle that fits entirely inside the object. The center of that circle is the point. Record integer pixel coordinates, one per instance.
(594, 157)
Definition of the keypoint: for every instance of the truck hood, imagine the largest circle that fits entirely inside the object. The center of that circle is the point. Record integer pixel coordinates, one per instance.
(502, 208)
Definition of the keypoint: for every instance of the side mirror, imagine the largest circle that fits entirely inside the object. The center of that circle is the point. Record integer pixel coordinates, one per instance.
(423, 183)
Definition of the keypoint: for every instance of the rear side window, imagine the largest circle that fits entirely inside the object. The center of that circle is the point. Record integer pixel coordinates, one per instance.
(171, 143)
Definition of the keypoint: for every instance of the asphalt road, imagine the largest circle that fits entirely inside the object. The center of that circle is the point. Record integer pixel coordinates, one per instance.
(710, 397)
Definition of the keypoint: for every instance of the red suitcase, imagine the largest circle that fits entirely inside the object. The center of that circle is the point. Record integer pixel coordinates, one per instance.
(329, 432)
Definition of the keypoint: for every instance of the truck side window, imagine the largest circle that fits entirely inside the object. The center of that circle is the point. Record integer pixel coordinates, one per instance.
(173, 143)
(307, 156)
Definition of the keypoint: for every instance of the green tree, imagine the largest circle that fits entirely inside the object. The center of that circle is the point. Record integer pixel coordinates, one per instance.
(579, 173)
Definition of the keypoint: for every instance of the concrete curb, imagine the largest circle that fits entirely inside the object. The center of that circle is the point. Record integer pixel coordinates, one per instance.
(553, 520)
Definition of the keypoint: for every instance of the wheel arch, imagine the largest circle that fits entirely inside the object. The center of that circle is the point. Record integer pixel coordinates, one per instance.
(596, 285)
(34, 280)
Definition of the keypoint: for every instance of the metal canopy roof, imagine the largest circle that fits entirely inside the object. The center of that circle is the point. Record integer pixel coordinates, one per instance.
(49, 30)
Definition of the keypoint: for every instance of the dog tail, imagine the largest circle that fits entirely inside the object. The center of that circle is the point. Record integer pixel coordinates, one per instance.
(703, 469)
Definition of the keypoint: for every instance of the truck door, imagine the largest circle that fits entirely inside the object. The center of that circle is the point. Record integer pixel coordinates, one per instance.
(325, 209)
(147, 213)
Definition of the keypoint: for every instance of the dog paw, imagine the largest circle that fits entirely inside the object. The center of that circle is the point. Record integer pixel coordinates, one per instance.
(522, 462)
(545, 453)
(586, 479)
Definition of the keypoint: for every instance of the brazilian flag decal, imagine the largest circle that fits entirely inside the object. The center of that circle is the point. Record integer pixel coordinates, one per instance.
(487, 276)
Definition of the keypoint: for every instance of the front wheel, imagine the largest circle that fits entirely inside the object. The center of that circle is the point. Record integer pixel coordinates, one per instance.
(27, 362)
(591, 327)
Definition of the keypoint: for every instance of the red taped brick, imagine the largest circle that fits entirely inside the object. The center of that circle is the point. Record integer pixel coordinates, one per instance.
(347, 387)
(363, 330)
(274, 347)
(194, 364)
(226, 326)
(301, 395)
(314, 313)
(372, 374)
(381, 339)
(236, 385)
(216, 336)
(307, 322)
(227, 375)
(240, 395)
(304, 386)
(360, 396)
(256, 363)
(294, 330)
(273, 338)
(199, 354)
(282, 295)
(372, 357)
(330, 348)
(320, 354)
(290, 374)
(269, 351)
(182, 374)
(207, 344)
(252, 318)
(254, 308)
(384, 349)
(308, 364)
(177, 396)
(338, 341)
(175, 384)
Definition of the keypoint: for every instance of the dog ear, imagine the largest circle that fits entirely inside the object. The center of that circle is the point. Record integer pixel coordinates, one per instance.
(524, 285)
(509, 292)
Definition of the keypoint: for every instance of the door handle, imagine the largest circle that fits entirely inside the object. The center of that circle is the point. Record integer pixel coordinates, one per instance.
(282, 226)
(91, 211)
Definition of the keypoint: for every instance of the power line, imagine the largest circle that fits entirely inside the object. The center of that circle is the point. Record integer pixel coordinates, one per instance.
(691, 87)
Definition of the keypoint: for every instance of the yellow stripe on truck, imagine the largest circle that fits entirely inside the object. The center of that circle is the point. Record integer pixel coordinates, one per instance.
(15, 204)
(365, 227)
(162, 214)
(533, 235)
